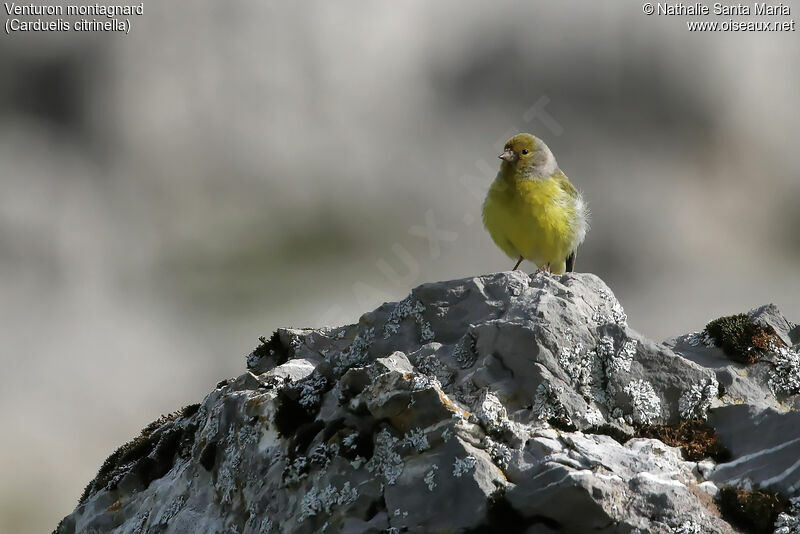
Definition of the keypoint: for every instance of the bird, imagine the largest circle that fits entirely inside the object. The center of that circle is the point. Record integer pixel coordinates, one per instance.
(532, 211)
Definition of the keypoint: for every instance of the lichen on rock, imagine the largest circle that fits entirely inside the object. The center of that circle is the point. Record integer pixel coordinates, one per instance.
(695, 401)
(785, 376)
(499, 402)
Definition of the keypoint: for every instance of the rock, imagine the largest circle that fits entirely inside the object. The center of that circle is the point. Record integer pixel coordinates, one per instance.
(772, 382)
(765, 446)
(769, 315)
(617, 488)
(504, 402)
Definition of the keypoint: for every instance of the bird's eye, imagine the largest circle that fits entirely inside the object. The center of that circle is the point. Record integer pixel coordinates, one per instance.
(524, 150)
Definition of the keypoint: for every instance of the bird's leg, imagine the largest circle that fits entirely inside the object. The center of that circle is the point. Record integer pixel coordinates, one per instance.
(517, 264)
(547, 269)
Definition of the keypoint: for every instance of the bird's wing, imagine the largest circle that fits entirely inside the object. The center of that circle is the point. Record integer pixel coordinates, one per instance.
(565, 185)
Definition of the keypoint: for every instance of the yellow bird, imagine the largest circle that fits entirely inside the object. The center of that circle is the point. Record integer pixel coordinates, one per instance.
(532, 211)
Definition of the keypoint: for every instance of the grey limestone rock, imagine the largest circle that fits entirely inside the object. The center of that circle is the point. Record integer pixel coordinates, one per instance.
(772, 382)
(765, 446)
(473, 405)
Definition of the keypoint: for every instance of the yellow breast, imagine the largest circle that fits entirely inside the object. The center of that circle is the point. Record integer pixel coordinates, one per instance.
(532, 218)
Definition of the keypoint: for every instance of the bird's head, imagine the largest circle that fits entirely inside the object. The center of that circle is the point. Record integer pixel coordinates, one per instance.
(528, 157)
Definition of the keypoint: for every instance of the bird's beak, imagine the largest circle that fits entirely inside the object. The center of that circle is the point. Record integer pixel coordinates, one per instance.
(508, 155)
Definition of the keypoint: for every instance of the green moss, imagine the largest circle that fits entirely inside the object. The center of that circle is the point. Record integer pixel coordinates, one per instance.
(740, 338)
(263, 349)
(189, 410)
(754, 512)
(62, 528)
(150, 454)
(272, 349)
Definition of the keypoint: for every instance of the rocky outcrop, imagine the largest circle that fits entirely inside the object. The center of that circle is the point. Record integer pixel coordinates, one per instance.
(501, 403)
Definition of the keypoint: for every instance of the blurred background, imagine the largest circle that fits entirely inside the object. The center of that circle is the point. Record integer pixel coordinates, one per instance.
(168, 196)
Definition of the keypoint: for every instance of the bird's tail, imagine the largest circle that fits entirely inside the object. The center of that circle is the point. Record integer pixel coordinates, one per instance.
(571, 261)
